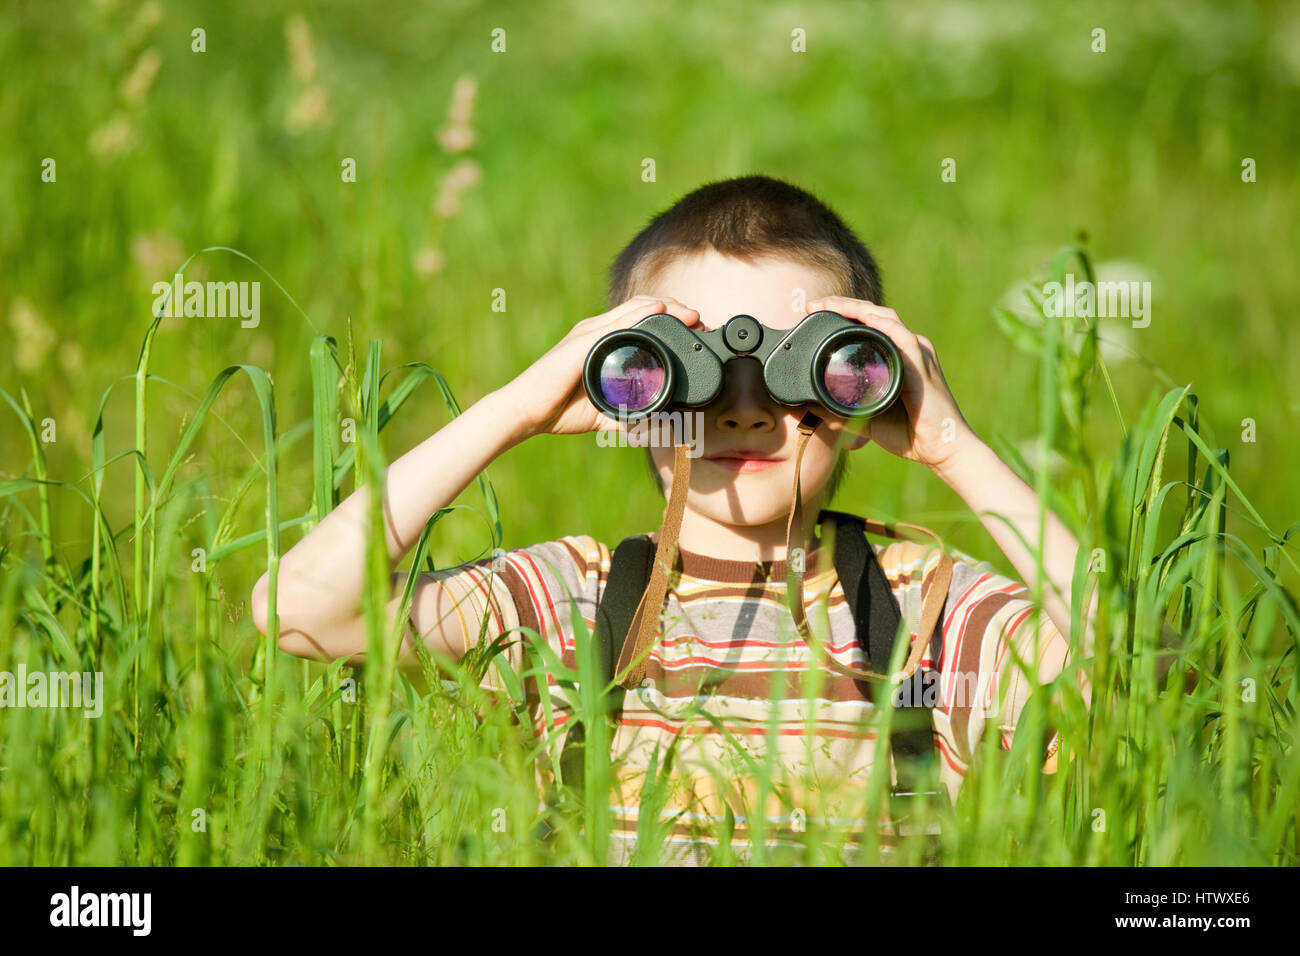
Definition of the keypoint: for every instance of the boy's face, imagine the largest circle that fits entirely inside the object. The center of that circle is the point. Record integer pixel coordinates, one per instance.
(756, 489)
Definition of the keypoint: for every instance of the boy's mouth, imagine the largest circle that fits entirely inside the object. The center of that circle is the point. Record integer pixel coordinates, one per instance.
(744, 460)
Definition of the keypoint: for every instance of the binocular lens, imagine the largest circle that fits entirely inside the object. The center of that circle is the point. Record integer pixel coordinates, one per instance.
(631, 377)
(857, 374)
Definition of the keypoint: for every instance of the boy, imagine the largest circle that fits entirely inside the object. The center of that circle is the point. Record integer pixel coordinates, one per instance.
(726, 647)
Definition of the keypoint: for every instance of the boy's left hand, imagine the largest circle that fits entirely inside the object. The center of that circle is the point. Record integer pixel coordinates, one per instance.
(924, 424)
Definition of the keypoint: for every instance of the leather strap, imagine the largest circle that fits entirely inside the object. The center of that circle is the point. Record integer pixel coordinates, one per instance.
(645, 622)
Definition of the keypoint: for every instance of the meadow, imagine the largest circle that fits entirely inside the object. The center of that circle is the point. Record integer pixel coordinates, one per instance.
(426, 215)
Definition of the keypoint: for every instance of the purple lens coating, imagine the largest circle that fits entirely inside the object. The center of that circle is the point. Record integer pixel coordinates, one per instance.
(857, 375)
(631, 377)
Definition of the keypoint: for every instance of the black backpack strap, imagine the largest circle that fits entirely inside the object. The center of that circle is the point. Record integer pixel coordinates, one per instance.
(870, 598)
(877, 617)
(629, 573)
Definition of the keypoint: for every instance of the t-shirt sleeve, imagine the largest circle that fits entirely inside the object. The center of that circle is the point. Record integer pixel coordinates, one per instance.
(529, 594)
(995, 650)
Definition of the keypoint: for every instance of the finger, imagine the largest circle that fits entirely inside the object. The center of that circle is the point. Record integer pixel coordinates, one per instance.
(873, 316)
(886, 321)
(644, 306)
(624, 316)
(584, 336)
(639, 306)
(681, 310)
(868, 313)
(842, 304)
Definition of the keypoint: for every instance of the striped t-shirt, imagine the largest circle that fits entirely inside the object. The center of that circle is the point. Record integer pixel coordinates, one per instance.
(725, 681)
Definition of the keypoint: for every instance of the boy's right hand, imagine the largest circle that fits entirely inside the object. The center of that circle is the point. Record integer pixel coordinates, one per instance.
(549, 393)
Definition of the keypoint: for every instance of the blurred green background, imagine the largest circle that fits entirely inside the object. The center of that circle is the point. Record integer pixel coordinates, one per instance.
(529, 180)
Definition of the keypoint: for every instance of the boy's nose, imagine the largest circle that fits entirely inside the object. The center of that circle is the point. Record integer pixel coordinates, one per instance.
(744, 405)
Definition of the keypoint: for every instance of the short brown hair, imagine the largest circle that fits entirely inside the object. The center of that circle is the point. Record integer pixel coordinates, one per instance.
(745, 218)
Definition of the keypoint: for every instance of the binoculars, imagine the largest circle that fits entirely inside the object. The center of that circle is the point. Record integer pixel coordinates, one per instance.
(848, 368)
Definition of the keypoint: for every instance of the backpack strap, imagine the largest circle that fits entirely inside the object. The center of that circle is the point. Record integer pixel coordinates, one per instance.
(865, 587)
(877, 618)
(629, 573)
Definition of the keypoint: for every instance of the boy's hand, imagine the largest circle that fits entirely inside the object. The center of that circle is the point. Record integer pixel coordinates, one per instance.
(549, 393)
(924, 425)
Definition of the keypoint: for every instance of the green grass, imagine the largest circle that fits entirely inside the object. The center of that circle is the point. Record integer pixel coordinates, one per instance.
(184, 434)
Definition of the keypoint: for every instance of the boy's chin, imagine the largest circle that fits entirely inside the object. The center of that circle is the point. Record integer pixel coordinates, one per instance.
(748, 513)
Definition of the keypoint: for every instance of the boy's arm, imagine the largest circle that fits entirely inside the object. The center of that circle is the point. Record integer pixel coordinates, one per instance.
(1008, 509)
(927, 427)
(321, 578)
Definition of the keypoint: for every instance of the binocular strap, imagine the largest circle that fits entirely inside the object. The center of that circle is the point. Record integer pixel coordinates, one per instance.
(645, 622)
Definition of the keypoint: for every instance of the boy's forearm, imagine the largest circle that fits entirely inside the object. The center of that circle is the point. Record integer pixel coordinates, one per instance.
(998, 496)
(433, 473)
(322, 576)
